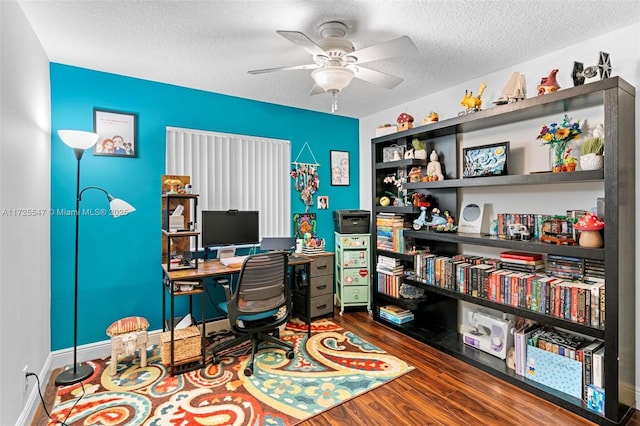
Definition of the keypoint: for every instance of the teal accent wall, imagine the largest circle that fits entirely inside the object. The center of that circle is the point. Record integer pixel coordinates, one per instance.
(120, 273)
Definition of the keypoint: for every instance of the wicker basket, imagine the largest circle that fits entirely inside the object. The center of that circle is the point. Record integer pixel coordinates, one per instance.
(186, 346)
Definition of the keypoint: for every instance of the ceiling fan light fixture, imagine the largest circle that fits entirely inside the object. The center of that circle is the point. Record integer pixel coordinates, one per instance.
(332, 79)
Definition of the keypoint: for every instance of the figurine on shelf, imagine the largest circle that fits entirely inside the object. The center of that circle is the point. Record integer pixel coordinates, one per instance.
(415, 174)
(448, 226)
(434, 169)
(514, 90)
(432, 117)
(405, 121)
(548, 84)
(472, 103)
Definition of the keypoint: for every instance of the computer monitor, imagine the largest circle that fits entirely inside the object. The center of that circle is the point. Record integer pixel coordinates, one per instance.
(287, 244)
(230, 227)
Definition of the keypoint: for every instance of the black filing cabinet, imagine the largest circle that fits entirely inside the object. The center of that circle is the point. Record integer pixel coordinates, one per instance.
(313, 290)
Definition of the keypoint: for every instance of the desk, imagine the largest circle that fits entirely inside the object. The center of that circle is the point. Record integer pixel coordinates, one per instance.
(211, 269)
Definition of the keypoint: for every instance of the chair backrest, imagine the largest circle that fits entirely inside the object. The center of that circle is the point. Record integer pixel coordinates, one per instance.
(263, 286)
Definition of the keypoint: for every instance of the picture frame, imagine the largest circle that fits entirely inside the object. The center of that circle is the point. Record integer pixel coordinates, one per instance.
(118, 133)
(304, 223)
(339, 168)
(486, 160)
(323, 202)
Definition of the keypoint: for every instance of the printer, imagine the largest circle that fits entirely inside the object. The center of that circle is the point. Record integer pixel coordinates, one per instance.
(352, 221)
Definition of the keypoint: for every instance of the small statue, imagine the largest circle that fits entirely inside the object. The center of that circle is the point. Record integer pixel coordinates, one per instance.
(434, 169)
(548, 84)
(432, 117)
(472, 103)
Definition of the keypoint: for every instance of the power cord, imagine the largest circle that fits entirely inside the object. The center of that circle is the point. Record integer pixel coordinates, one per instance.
(44, 406)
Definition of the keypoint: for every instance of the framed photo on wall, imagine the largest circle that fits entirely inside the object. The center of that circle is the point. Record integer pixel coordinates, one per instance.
(339, 168)
(118, 133)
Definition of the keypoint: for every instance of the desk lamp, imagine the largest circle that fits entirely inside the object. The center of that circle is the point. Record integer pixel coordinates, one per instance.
(79, 141)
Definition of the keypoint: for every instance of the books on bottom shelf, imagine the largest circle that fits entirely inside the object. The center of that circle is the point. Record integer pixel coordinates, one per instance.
(396, 314)
(588, 365)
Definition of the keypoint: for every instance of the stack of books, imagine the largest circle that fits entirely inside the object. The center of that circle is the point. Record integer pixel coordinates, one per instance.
(396, 314)
(390, 272)
(521, 261)
(567, 267)
(389, 235)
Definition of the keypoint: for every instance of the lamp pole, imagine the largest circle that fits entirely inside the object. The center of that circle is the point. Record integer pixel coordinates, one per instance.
(79, 372)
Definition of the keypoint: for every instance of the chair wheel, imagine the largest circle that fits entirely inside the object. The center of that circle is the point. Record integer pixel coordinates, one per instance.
(289, 354)
(215, 359)
(248, 371)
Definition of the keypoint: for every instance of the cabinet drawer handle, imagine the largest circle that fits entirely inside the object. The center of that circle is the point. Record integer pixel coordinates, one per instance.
(321, 287)
(321, 306)
(321, 267)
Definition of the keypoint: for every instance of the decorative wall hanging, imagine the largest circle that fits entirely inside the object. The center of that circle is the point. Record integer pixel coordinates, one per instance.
(306, 178)
(117, 133)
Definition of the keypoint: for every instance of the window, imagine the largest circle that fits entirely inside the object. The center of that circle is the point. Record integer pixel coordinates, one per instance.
(235, 172)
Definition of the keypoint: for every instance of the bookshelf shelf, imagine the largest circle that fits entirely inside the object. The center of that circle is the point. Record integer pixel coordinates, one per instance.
(436, 315)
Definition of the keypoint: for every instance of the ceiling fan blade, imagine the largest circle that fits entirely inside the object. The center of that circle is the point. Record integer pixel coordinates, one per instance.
(295, 67)
(303, 41)
(316, 90)
(378, 78)
(388, 49)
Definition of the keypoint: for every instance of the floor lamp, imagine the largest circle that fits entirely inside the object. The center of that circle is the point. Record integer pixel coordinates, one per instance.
(79, 141)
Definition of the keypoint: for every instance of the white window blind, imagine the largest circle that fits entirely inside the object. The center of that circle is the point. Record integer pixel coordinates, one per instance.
(235, 172)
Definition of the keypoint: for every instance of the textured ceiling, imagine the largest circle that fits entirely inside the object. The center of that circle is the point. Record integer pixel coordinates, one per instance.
(210, 45)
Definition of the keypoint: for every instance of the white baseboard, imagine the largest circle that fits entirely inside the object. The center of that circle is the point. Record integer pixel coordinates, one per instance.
(97, 350)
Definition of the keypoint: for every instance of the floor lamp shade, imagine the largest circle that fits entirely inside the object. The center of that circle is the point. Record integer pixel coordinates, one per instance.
(78, 139)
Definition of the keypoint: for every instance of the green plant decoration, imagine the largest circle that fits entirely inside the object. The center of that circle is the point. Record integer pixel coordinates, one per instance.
(418, 145)
(593, 145)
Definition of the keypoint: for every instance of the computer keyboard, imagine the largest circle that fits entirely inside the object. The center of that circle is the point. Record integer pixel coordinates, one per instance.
(235, 260)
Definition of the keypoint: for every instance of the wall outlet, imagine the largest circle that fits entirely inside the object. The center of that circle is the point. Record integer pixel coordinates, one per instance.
(25, 370)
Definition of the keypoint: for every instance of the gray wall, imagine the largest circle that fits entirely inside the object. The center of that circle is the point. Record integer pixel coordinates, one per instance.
(25, 183)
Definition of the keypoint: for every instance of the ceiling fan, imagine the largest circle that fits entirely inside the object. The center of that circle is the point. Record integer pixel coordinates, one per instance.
(336, 62)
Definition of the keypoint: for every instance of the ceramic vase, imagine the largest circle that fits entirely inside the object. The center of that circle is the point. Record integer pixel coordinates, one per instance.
(591, 162)
(420, 154)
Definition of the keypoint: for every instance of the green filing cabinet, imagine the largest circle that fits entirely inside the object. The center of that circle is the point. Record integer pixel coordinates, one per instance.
(353, 270)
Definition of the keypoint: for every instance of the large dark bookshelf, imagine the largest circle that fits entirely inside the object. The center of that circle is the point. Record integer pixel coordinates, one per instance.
(436, 312)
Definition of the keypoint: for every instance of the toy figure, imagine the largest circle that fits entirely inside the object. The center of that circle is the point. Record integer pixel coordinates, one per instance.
(434, 169)
(415, 174)
(472, 103)
(548, 84)
(436, 219)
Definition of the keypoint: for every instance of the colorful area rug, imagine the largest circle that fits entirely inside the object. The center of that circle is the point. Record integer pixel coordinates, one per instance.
(329, 368)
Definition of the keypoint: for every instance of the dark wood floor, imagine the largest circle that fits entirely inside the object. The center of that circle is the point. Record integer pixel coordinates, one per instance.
(440, 391)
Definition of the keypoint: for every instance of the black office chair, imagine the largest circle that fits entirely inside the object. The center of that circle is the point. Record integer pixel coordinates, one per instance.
(261, 301)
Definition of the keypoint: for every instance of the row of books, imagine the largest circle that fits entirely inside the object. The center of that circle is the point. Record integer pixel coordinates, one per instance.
(580, 302)
(396, 314)
(389, 284)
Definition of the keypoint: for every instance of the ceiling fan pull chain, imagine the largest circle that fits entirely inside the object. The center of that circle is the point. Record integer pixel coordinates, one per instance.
(334, 102)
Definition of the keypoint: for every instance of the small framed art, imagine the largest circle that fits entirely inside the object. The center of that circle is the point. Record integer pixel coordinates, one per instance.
(339, 168)
(486, 160)
(118, 133)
